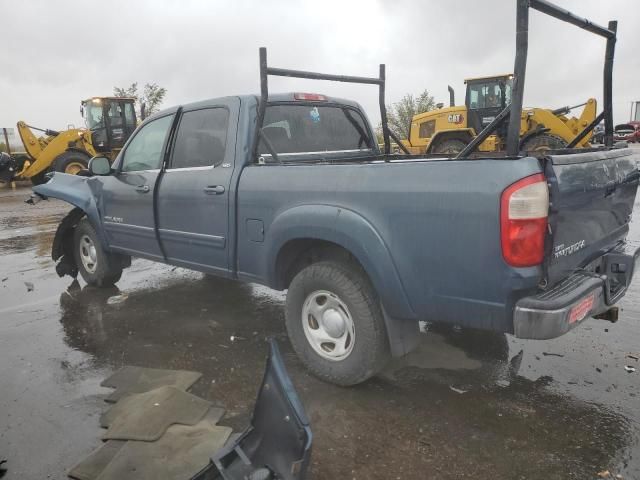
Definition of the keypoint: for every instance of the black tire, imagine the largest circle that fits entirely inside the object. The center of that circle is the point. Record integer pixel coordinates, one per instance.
(71, 162)
(543, 143)
(39, 179)
(449, 146)
(370, 350)
(106, 270)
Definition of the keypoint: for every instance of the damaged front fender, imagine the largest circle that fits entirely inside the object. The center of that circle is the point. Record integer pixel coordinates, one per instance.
(80, 192)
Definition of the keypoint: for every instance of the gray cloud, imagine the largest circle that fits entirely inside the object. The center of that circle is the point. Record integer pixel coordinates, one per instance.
(56, 54)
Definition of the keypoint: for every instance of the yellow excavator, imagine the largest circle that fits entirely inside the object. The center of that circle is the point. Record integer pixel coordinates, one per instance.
(110, 121)
(447, 130)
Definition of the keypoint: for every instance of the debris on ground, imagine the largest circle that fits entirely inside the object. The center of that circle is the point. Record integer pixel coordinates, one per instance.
(608, 474)
(629, 369)
(4, 279)
(457, 390)
(169, 433)
(117, 299)
(234, 338)
(548, 354)
(29, 286)
(634, 356)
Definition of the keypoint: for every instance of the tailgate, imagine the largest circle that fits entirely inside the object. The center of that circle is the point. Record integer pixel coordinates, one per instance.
(591, 201)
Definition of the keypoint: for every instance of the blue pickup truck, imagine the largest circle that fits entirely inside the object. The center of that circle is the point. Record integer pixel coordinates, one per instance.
(366, 248)
(291, 191)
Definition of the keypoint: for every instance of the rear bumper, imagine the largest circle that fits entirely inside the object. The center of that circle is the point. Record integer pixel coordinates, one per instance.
(580, 296)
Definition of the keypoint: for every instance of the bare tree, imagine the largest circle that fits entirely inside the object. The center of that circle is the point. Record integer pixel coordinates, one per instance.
(399, 114)
(148, 102)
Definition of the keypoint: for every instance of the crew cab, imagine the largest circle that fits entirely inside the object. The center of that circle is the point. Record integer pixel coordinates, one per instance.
(367, 244)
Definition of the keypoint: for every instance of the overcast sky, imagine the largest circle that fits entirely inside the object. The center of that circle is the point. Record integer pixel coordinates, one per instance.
(57, 53)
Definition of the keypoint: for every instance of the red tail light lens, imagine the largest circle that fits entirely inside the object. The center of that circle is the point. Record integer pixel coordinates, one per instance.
(315, 97)
(524, 208)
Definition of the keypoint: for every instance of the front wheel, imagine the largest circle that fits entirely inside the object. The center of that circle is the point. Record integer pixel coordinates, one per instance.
(71, 162)
(335, 323)
(542, 143)
(97, 267)
(450, 146)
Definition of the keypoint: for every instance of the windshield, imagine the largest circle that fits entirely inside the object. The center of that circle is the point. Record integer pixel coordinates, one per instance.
(489, 94)
(93, 115)
(307, 129)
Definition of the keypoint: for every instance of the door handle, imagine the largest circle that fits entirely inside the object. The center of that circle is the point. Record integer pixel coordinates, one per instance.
(214, 190)
(143, 188)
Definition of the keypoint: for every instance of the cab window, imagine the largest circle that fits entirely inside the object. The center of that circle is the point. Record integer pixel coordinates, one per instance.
(489, 95)
(129, 115)
(301, 129)
(144, 152)
(201, 138)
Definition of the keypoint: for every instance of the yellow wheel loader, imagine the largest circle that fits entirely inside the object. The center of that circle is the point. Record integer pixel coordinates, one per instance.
(110, 121)
(449, 130)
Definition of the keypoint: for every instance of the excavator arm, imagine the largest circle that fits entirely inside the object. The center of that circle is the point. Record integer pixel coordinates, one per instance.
(32, 144)
(44, 150)
(557, 124)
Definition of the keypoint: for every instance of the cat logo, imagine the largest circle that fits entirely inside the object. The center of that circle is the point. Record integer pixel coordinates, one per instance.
(455, 118)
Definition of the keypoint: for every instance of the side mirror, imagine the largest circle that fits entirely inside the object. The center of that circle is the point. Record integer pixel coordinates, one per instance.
(100, 166)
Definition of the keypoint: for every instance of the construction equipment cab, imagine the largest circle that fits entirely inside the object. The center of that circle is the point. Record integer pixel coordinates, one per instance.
(449, 130)
(485, 99)
(110, 121)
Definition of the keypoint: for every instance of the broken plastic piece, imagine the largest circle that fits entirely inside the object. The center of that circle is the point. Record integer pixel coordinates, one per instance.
(277, 444)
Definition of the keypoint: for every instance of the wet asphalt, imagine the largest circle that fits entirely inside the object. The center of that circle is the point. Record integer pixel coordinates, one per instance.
(466, 404)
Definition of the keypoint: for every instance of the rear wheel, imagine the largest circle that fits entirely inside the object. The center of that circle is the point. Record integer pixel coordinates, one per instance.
(543, 143)
(335, 323)
(71, 162)
(97, 267)
(449, 146)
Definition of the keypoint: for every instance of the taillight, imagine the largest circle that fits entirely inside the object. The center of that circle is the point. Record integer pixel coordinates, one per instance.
(310, 96)
(524, 207)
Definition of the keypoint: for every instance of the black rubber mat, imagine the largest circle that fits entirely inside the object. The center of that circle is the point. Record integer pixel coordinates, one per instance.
(97, 461)
(130, 379)
(146, 416)
(178, 455)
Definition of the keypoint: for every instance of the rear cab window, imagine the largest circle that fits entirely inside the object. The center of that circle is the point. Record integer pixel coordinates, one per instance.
(299, 131)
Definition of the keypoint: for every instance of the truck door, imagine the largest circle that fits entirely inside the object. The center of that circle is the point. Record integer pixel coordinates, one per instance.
(127, 196)
(193, 199)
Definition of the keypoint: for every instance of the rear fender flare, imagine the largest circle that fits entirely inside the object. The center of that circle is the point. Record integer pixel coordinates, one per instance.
(352, 232)
(355, 234)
